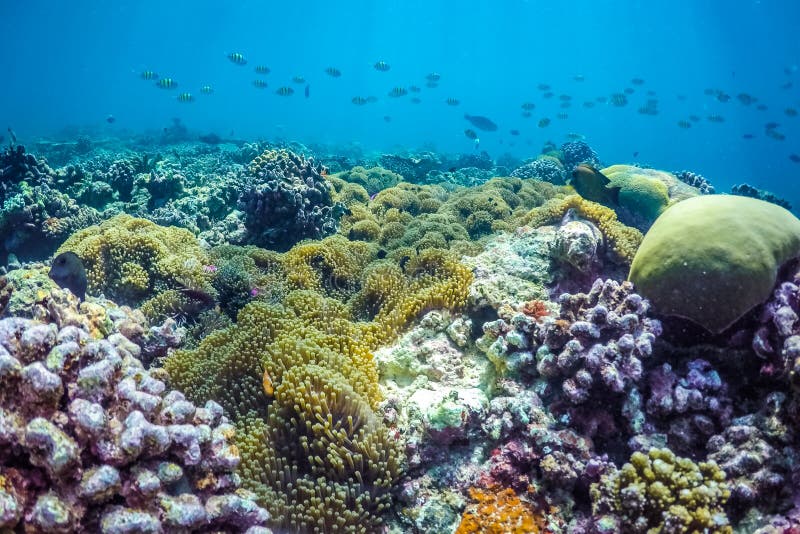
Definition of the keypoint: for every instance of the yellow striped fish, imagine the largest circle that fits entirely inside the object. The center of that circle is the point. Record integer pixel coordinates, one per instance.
(185, 97)
(206, 89)
(262, 69)
(261, 84)
(149, 75)
(284, 91)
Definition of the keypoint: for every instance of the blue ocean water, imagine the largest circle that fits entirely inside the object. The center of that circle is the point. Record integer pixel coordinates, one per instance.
(68, 65)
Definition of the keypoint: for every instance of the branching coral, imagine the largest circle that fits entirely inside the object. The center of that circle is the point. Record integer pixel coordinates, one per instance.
(660, 492)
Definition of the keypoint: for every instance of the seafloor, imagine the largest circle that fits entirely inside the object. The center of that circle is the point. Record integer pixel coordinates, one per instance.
(271, 337)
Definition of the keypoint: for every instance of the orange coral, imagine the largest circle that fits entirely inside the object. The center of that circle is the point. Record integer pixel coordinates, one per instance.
(535, 309)
(499, 511)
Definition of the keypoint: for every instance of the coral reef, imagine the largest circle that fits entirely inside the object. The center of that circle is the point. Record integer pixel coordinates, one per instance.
(747, 190)
(94, 442)
(696, 180)
(576, 152)
(140, 263)
(545, 168)
(715, 280)
(660, 492)
(288, 200)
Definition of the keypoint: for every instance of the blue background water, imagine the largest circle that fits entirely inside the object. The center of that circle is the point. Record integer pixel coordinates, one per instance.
(72, 63)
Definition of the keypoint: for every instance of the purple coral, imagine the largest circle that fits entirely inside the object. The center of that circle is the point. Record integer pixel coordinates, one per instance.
(577, 152)
(287, 200)
(90, 441)
(691, 407)
(596, 348)
(695, 180)
(777, 339)
(545, 168)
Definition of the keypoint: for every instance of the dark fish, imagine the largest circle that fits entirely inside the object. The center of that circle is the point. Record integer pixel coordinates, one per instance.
(398, 92)
(562, 116)
(548, 94)
(543, 123)
(794, 158)
(237, 58)
(206, 89)
(452, 101)
(579, 78)
(359, 100)
(261, 84)
(284, 91)
(307, 91)
(111, 119)
(387, 118)
(470, 134)
(684, 124)
(431, 85)
(790, 112)
(629, 90)
(262, 69)
(482, 123)
(716, 118)
(185, 98)
(564, 105)
(775, 134)
(433, 77)
(761, 107)
(651, 93)
(723, 97)
(382, 66)
(564, 98)
(588, 104)
(68, 272)
(694, 118)
(619, 100)
(745, 99)
(787, 85)
(527, 106)
(514, 132)
(414, 89)
(148, 75)
(527, 114)
(415, 100)
(543, 87)
(709, 91)
(333, 72)
(636, 154)
(748, 136)
(771, 125)
(593, 185)
(166, 83)
(637, 81)
(298, 79)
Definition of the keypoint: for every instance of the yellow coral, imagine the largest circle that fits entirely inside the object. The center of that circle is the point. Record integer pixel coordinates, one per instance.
(128, 259)
(661, 492)
(624, 240)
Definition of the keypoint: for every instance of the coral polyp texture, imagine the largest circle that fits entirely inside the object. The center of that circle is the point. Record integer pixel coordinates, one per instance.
(287, 199)
(93, 442)
(661, 492)
(143, 264)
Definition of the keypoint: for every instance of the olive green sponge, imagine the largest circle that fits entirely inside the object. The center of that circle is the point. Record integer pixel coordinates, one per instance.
(713, 258)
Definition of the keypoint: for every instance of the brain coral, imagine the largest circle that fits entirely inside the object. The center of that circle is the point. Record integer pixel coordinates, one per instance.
(129, 259)
(712, 258)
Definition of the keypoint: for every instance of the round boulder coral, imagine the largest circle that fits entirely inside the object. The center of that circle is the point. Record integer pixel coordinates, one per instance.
(711, 259)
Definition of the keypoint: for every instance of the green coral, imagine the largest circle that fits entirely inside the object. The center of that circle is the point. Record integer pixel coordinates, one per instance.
(373, 179)
(660, 492)
(135, 261)
(713, 258)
